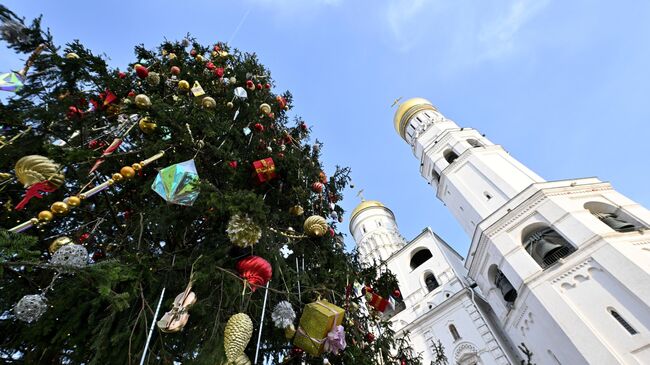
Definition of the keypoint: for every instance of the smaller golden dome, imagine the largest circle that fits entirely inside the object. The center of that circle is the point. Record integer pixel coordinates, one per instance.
(406, 110)
(365, 204)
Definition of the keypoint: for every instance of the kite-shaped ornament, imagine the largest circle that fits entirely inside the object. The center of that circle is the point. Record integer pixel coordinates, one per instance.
(177, 183)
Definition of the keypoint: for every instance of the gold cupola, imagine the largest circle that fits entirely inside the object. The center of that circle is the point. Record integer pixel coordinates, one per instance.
(408, 109)
(364, 205)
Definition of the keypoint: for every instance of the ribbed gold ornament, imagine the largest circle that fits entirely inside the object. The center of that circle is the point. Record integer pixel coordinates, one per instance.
(237, 334)
(315, 226)
(34, 168)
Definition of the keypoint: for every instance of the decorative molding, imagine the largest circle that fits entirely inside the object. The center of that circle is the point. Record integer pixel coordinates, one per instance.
(463, 349)
(571, 271)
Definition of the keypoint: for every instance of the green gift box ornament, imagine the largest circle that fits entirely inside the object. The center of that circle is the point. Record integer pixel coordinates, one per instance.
(317, 320)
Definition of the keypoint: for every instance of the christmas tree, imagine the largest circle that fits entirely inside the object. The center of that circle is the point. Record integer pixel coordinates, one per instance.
(181, 181)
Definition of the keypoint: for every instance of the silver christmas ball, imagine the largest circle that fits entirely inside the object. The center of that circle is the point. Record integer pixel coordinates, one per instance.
(30, 308)
(283, 147)
(334, 215)
(70, 256)
(269, 149)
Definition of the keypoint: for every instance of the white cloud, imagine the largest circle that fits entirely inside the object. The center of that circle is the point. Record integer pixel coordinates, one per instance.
(464, 32)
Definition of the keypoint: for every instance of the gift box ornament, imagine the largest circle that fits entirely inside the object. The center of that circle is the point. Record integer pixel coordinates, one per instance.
(317, 321)
(177, 183)
(264, 170)
(378, 302)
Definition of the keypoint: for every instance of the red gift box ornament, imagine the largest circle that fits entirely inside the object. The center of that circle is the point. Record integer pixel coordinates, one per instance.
(377, 301)
(255, 270)
(264, 169)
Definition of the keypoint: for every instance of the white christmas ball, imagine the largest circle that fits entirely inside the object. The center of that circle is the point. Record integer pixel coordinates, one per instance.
(30, 308)
(70, 256)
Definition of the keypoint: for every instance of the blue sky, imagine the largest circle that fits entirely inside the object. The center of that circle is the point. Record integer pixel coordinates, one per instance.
(564, 86)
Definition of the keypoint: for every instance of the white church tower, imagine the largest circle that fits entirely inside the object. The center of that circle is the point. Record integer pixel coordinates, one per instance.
(565, 265)
(437, 302)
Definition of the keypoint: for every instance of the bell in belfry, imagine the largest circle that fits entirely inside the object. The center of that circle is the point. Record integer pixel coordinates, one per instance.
(507, 290)
(615, 223)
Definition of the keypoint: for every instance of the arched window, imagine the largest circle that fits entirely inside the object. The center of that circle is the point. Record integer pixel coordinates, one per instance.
(430, 281)
(612, 216)
(435, 175)
(502, 283)
(454, 332)
(546, 246)
(623, 322)
(450, 156)
(474, 143)
(419, 257)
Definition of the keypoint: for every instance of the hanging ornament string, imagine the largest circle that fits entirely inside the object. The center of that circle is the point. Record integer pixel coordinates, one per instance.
(259, 333)
(153, 325)
(74, 201)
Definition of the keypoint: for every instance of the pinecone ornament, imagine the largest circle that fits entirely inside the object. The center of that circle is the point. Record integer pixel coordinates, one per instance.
(237, 334)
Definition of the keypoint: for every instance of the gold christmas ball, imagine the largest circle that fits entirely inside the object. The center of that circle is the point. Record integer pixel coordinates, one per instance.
(265, 108)
(117, 177)
(128, 172)
(183, 85)
(34, 168)
(214, 54)
(296, 210)
(236, 335)
(136, 166)
(59, 208)
(45, 216)
(315, 226)
(74, 201)
(72, 56)
(223, 54)
(199, 58)
(58, 243)
(209, 103)
(146, 125)
(153, 78)
(172, 56)
(142, 101)
(230, 105)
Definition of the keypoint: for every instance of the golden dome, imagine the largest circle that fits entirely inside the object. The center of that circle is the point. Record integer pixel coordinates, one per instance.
(408, 109)
(365, 204)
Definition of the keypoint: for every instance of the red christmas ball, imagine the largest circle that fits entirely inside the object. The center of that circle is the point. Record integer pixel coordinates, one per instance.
(233, 164)
(268, 86)
(255, 270)
(210, 66)
(403, 362)
(303, 126)
(259, 86)
(98, 255)
(370, 337)
(175, 70)
(259, 127)
(317, 187)
(332, 233)
(397, 293)
(74, 112)
(193, 53)
(94, 144)
(84, 237)
(141, 71)
(219, 72)
(131, 94)
(216, 48)
(121, 75)
(250, 84)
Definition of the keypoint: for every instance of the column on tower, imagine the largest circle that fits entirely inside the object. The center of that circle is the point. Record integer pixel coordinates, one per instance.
(471, 175)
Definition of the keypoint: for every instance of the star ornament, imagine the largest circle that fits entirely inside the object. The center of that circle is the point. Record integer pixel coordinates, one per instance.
(286, 251)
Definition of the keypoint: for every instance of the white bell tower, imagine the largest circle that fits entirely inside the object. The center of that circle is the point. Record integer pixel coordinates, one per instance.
(565, 265)
(471, 175)
(375, 230)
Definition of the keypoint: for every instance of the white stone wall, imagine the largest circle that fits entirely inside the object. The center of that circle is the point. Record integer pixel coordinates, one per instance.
(375, 231)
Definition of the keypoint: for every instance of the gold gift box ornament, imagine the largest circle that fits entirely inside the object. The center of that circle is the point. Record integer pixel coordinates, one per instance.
(317, 320)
